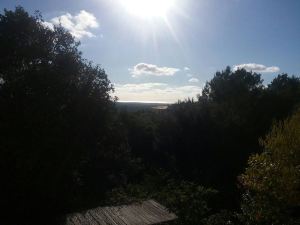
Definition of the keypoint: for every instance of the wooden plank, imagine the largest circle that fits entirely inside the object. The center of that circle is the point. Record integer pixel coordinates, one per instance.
(113, 220)
(162, 209)
(149, 218)
(153, 215)
(145, 213)
(131, 217)
(96, 214)
(90, 220)
(100, 213)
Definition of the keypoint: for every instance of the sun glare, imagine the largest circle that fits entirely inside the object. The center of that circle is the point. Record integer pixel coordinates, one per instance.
(148, 8)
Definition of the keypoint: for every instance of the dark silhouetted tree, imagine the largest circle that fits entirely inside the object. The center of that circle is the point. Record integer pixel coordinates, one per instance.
(209, 141)
(59, 143)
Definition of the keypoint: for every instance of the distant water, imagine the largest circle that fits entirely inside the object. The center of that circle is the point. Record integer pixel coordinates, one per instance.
(145, 102)
(142, 105)
(160, 107)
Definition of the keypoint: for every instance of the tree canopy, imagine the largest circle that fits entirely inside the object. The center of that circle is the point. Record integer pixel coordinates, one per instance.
(272, 178)
(56, 120)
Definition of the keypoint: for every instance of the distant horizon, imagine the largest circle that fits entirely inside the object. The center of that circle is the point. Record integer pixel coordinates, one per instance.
(147, 102)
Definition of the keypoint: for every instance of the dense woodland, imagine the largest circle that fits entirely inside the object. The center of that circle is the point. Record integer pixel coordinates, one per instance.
(230, 156)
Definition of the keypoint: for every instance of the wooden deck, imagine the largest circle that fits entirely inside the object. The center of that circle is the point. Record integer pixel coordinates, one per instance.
(145, 213)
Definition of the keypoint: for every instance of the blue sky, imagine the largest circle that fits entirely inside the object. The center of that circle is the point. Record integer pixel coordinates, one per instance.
(170, 56)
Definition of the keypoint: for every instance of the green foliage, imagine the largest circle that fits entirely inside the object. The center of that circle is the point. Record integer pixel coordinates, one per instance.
(232, 86)
(141, 132)
(200, 141)
(272, 178)
(222, 218)
(189, 201)
(209, 141)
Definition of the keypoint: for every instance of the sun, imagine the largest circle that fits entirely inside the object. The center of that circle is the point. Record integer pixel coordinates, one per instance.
(148, 8)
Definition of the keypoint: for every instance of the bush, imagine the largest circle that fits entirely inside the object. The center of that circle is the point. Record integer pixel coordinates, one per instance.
(272, 178)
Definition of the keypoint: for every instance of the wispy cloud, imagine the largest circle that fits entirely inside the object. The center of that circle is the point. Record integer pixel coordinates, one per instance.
(193, 80)
(79, 25)
(257, 68)
(186, 68)
(159, 92)
(150, 69)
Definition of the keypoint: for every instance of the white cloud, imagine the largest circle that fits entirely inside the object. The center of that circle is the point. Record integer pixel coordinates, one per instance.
(186, 68)
(189, 75)
(155, 92)
(259, 68)
(150, 69)
(48, 24)
(193, 80)
(79, 25)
